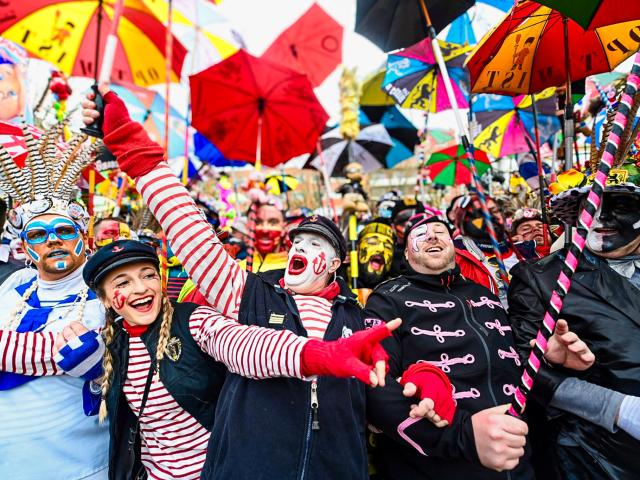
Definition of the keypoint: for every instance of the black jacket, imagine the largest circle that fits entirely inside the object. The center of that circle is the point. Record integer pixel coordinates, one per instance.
(194, 380)
(263, 428)
(603, 308)
(460, 326)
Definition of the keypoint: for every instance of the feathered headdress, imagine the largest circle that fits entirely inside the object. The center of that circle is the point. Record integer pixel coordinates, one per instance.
(46, 184)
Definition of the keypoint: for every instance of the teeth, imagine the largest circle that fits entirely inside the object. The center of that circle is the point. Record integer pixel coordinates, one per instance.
(141, 301)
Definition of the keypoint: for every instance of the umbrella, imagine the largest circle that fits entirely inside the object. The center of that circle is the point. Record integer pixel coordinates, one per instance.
(392, 24)
(207, 152)
(369, 149)
(199, 26)
(451, 166)
(523, 54)
(281, 183)
(414, 80)
(507, 123)
(473, 24)
(255, 110)
(64, 33)
(591, 14)
(312, 45)
(402, 132)
(371, 93)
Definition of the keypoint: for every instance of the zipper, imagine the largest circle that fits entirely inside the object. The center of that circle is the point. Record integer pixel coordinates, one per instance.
(315, 425)
(473, 324)
(307, 438)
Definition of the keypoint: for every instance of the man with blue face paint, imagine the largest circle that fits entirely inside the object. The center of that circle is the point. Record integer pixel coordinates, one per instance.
(45, 413)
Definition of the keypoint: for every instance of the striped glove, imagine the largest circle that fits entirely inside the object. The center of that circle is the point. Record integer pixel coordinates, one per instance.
(82, 356)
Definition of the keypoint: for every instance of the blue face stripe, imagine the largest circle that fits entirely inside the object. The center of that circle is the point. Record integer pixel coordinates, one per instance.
(79, 246)
(34, 256)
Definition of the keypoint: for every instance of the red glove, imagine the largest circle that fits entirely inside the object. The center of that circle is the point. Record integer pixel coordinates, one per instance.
(136, 153)
(433, 383)
(354, 356)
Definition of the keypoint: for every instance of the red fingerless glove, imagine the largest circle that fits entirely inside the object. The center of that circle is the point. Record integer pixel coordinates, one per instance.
(354, 356)
(433, 383)
(135, 152)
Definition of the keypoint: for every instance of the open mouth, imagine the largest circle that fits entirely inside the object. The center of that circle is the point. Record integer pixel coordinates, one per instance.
(605, 231)
(143, 304)
(58, 254)
(377, 262)
(434, 249)
(297, 265)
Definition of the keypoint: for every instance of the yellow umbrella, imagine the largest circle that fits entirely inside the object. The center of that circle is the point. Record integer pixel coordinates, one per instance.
(372, 94)
(65, 34)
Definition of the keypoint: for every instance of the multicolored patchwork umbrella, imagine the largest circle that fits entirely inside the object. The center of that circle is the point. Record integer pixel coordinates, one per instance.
(451, 167)
(413, 78)
(64, 33)
(507, 123)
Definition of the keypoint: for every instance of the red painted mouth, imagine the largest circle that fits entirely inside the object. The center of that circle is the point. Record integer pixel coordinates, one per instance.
(297, 265)
(142, 304)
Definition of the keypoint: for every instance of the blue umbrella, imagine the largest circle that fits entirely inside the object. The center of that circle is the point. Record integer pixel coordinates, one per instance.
(207, 152)
(402, 132)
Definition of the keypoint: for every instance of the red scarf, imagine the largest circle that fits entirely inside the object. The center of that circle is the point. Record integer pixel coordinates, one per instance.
(134, 330)
(329, 292)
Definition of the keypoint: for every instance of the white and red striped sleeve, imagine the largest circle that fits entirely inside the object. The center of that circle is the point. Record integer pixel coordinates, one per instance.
(192, 239)
(248, 350)
(28, 353)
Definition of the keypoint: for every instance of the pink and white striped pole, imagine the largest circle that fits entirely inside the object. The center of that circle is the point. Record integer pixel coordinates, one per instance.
(577, 244)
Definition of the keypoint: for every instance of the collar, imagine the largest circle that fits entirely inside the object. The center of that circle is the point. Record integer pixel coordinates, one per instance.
(134, 330)
(625, 266)
(329, 292)
(445, 279)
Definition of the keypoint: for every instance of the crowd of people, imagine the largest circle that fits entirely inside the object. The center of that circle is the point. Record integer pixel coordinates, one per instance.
(262, 354)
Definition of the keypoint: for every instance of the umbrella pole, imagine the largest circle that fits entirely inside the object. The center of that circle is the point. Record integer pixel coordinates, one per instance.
(251, 232)
(353, 250)
(109, 54)
(168, 49)
(327, 185)
(464, 138)
(185, 167)
(258, 164)
(568, 108)
(578, 241)
(543, 207)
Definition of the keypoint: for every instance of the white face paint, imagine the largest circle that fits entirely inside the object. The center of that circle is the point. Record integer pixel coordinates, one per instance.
(430, 249)
(312, 259)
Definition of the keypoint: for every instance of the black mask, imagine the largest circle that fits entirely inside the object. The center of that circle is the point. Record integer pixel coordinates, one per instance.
(617, 224)
(473, 224)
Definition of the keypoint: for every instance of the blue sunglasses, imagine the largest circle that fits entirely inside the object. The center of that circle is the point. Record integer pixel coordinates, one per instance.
(40, 232)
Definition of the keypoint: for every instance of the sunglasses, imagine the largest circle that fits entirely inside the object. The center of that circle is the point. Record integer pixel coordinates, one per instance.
(39, 232)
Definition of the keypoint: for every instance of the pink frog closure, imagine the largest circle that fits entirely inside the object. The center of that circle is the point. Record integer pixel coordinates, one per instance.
(511, 353)
(496, 325)
(446, 362)
(486, 302)
(471, 393)
(437, 332)
(433, 307)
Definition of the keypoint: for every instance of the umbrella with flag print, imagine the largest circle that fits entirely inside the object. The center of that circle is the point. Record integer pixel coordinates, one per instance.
(451, 167)
(507, 124)
(369, 149)
(414, 80)
(64, 33)
(312, 45)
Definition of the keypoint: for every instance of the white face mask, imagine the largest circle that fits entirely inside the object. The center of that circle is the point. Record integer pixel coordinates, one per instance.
(311, 260)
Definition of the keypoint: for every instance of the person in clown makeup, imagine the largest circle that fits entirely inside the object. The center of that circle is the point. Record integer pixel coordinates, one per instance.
(292, 428)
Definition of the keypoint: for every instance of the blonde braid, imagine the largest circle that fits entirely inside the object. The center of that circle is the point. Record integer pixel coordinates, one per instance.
(107, 365)
(165, 327)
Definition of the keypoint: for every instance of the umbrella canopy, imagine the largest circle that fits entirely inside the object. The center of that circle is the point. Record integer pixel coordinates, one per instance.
(473, 24)
(591, 14)
(506, 122)
(199, 26)
(525, 53)
(413, 78)
(277, 184)
(252, 108)
(312, 45)
(450, 167)
(207, 152)
(402, 132)
(371, 93)
(392, 24)
(64, 33)
(369, 149)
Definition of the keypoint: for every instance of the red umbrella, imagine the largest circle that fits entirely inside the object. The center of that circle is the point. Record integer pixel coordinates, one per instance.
(312, 45)
(253, 109)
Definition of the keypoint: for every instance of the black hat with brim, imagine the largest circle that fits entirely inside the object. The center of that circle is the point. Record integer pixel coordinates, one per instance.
(327, 229)
(116, 255)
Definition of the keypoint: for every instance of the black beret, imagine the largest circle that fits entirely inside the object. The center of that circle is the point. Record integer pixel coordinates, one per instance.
(115, 255)
(325, 227)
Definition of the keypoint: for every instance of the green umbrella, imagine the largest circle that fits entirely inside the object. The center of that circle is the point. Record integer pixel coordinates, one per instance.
(590, 14)
(450, 167)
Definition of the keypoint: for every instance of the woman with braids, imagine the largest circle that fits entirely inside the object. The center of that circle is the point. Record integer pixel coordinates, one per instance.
(164, 364)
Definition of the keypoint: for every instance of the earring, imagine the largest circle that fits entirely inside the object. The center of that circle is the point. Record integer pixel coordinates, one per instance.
(28, 263)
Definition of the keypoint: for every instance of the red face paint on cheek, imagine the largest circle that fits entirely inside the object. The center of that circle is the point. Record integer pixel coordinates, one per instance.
(320, 263)
(118, 300)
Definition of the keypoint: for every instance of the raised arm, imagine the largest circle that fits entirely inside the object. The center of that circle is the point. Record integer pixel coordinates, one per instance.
(192, 238)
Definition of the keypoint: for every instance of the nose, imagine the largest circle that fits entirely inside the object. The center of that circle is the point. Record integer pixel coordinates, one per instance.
(139, 286)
